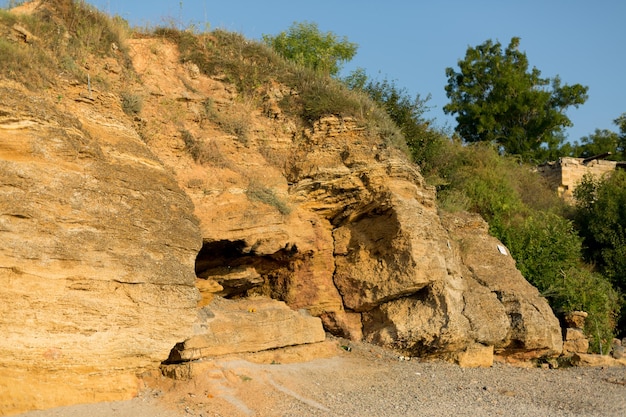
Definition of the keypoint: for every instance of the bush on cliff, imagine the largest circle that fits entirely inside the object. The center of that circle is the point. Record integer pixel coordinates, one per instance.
(64, 45)
(601, 219)
(547, 251)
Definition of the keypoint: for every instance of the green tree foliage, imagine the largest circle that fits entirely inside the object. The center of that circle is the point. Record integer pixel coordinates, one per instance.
(496, 99)
(530, 220)
(408, 113)
(601, 218)
(475, 177)
(599, 142)
(547, 251)
(304, 44)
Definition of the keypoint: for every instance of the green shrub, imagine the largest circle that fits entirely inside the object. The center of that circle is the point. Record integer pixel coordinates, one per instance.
(304, 44)
(234, 120)
(484, 180)
(544, 245)
(422, 141)
(257, 192)
(524, 214)
(131, 103)
(601, 218)
(582, 289)
(322, 95)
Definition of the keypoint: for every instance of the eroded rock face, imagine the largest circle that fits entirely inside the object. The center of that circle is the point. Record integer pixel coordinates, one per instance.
(97, 255)
(351, 233)
(420, 283)
(260, 322)
(107, 239)
(399, 275)
(534, 330)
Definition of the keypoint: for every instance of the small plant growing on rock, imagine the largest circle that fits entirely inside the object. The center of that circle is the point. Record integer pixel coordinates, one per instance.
(233, 121)
(131, 103)
(257, 192)
(203, 152)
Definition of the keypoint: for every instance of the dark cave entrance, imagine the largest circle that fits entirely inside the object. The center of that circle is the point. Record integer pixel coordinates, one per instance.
(241, 271)
(219, 254)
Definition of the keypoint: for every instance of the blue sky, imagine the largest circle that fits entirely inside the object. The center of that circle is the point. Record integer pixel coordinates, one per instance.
(413, 41)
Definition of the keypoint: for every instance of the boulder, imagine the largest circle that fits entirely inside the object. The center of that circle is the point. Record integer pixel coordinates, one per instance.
(235, 280)
(435, 323)
(533, 331)
(575, 346)
(246, 325)
(392, 251)
(617, 349)
(476, 356)
(575, 319)
(593, 360)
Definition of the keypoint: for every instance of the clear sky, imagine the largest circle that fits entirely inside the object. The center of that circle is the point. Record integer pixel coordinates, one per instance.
(413, 41)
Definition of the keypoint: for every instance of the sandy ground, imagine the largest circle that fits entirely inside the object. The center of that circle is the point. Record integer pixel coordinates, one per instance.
(368, 381)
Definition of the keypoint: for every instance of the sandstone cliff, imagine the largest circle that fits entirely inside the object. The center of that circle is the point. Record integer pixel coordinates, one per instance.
(97, 246)
(123, 235)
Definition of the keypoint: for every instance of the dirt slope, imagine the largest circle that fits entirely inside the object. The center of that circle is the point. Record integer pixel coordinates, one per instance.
(370, 381)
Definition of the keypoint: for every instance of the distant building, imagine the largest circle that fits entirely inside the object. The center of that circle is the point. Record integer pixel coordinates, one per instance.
(565, 174)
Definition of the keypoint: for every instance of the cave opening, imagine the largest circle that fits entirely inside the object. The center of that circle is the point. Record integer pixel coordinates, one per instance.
(240, 270)
(220, 254)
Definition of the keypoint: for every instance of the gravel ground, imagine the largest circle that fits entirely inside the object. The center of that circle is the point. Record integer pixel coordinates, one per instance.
(427, 389)
(369, 381)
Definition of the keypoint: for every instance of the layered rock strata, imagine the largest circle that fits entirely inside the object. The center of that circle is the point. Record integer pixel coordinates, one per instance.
(97, 255)
(125, 237)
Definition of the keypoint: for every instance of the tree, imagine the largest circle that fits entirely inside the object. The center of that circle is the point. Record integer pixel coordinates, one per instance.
(621, 143)
(305, 44)
(601, 219)
(496, 99)
(599, 142)
(602, 141)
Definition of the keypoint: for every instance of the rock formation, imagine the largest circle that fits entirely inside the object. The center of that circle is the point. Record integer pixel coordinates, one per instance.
(250, 325)
(574, 339)
(128, 239)
(96, 261)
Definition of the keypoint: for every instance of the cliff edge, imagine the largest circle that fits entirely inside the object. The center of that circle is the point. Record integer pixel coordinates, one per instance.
(153, 215)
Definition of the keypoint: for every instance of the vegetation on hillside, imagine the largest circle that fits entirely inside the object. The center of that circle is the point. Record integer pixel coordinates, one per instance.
(304, 44)
(522, 211)
(601, 221)
(575, 256)
(251, 65)
(65, 32)
(497, 100)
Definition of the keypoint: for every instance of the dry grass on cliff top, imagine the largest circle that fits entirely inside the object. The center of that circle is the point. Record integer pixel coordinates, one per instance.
(250, 65)
(42, 40)
(66, 33)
